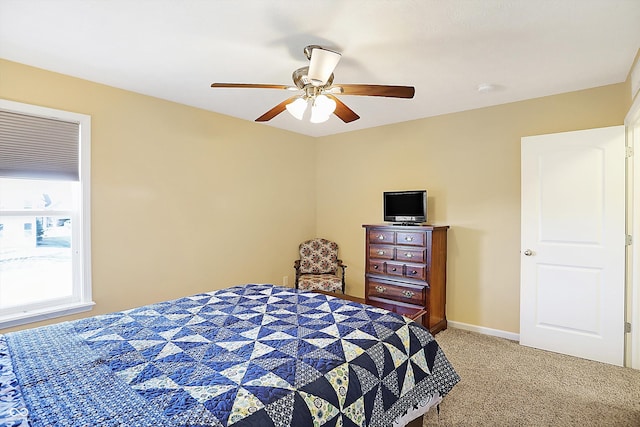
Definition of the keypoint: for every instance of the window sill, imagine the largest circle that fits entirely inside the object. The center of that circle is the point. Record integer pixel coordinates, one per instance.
(44, 314)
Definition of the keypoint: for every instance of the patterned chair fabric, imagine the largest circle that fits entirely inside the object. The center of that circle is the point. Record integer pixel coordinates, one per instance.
(323, 282)
(317, 268)
(318, 256)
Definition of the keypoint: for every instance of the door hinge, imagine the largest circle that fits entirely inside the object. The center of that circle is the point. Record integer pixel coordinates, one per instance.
(627, 327)
(628, 152)
(628, 240)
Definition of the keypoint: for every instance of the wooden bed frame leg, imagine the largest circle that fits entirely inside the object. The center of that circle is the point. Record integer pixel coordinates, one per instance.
(417, 422)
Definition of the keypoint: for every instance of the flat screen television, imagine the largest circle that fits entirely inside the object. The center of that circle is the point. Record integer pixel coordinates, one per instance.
(405, 207)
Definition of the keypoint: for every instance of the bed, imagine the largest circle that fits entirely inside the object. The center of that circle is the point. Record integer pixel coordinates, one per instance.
(252, 355)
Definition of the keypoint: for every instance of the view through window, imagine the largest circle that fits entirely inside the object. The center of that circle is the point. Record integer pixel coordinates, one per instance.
(36, 262)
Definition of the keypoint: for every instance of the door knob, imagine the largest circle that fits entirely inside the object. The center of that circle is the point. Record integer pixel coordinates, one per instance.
(528, 252)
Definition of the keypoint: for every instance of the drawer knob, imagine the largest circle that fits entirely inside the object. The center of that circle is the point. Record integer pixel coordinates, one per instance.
(380, 289)
(413, 272)
(409, 239)
(380, 252)
(375, 267)
(394, 269)
(408, 294)
(380, 237)
(408, 255)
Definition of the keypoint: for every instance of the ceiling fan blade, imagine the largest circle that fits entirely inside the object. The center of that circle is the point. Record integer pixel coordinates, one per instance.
(378, 90)
(252, 85)
(343, 112)
(276, 110)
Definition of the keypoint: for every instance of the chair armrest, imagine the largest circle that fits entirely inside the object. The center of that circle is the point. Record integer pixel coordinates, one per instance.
(296, 264)
(343, 267)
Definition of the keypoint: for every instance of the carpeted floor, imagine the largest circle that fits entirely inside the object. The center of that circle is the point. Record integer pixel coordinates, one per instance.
(506, 384)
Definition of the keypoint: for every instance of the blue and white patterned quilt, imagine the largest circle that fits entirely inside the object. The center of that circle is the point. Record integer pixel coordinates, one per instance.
(254, 355)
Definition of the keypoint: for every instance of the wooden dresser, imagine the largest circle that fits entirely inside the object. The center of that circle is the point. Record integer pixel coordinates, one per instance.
(406, 270)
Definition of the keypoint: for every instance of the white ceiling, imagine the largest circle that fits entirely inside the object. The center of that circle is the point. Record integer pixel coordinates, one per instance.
(174, 49)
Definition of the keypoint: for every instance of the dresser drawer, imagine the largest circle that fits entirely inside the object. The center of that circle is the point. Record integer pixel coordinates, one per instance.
(416, 272)
(395, 269)
(381, 251)
(409, 238)
(397, 292)
(410, 254)
(376, 267)
(377, 236)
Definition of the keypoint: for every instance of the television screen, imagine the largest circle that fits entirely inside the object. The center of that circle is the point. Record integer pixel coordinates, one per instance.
(405, 206)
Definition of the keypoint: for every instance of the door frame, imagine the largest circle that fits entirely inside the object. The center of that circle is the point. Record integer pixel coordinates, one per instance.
(632, 125)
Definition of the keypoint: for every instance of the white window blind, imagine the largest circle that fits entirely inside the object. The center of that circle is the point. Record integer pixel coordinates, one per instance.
(38, 147)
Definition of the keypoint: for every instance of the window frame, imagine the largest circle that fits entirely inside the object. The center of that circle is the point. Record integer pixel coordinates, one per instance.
(81, 220)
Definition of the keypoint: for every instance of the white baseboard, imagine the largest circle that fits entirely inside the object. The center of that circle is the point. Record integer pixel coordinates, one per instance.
(486, 331)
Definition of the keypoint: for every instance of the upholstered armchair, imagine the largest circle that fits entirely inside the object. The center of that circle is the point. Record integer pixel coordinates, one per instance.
(317, 268)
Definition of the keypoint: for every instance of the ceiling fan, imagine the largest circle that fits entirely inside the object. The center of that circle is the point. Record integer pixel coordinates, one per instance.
(318, 90)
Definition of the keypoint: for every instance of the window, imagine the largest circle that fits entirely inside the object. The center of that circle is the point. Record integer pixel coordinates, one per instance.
(45, 260)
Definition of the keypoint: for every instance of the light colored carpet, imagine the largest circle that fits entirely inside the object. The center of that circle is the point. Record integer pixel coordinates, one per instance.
(506, 384)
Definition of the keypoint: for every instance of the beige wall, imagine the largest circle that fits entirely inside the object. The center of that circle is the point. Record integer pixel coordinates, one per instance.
(186, 201)
(470, 164)
(183, 200)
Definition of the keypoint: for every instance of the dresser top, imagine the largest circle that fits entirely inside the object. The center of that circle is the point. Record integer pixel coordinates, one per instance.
(417, 227)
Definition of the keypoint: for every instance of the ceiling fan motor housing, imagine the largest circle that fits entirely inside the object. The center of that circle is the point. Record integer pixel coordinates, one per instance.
(301, 78)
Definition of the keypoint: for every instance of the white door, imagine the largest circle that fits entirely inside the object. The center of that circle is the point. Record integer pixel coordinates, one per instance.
(573, 243)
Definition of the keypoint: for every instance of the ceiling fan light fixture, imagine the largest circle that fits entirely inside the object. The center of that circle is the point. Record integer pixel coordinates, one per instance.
(323, 62)
(321, 109)
(318, 118)
(297, 107)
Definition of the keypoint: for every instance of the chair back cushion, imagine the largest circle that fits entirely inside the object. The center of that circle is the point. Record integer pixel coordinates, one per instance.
(318, 256)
